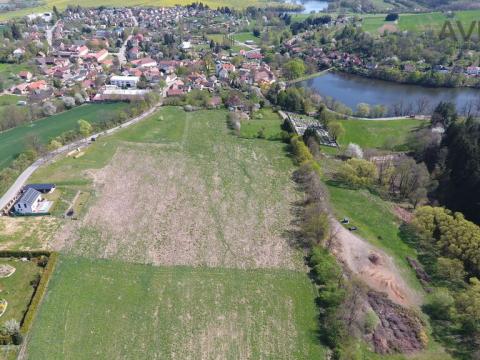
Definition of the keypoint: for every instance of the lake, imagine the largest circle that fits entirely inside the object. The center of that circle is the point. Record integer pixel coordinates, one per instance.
(352, 90)
(310, 5)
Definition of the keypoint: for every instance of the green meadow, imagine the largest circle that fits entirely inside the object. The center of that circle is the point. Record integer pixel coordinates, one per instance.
(14, 141)
(113, 310)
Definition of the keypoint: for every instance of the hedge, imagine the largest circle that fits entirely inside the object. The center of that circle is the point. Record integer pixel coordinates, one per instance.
(37, 298)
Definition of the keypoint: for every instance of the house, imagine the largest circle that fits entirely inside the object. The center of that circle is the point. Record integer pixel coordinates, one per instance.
(124, 81)
(186, 45)
(473, 70)
(26, 75)
(29, 203)
(37, 85)
(144, 62)
(18, 52)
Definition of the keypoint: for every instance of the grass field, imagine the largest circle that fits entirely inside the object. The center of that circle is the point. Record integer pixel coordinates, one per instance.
(112, 310)
(197, 195)
(422, 22)
(269, 124)
(62, 4)
(245, 36)
(388, 134)
(13, 142)
(192, 194)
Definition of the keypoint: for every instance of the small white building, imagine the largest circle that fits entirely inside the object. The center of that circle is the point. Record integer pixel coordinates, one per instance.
(29, 203)
(125, 82)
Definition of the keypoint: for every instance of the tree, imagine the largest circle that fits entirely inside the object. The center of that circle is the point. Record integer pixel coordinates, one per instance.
(315, 226)
(468, 308)
(84, 127)
(68, 101)
(336, 130)
(354, 151)
(392, 17)
(358, 173)
(440, 304)
(55, 11)
(363, 110)
(54, 144)
(460, 183)
(48, 108)
(444, 114)
(450, 272)
(294, 68)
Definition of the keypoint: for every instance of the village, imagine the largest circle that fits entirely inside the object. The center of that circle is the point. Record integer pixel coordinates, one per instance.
(98, 55)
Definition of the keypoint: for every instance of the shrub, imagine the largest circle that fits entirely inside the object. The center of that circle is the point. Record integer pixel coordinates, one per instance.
(39, 293)
(300, 150)
(354, 151)
(358, 173)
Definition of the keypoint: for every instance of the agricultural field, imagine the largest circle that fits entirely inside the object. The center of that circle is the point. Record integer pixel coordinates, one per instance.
(196, 196)
(134, 311)
(381, 134)
(14, 141)
(419, 22)
(212, 212)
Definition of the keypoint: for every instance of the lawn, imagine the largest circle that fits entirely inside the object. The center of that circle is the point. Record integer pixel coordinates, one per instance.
(245, 36)
(13, 142)
(17, 289)
(112, 310)
(269, 123)
(382, 134)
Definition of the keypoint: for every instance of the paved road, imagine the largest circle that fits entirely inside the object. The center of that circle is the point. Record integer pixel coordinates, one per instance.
(24, 176)
(49, 33)
(122, 59)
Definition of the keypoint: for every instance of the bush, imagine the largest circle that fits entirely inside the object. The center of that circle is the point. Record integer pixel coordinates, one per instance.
(392, 17)
(300, 150)
(358, 173)
(39, 293)
(440, 304)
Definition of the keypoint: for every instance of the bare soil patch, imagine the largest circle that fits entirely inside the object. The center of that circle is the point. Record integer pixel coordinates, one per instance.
(373, 266)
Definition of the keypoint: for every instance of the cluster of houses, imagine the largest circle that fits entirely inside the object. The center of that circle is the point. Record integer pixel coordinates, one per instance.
(119, 54)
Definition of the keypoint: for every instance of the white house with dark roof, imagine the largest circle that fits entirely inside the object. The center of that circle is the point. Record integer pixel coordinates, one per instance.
(29, 202)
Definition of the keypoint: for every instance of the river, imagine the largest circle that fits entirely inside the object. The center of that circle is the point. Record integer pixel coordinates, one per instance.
(310, 5)
(400, 99)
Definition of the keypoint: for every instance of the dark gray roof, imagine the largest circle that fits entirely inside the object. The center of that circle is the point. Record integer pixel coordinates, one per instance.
(29, 197)
(40, 187)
